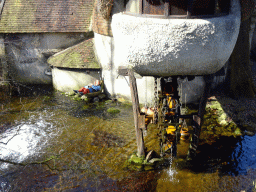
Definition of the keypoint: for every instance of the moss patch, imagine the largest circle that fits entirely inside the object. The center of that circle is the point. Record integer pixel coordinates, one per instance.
(136, 162)
(217, 124)
(78, 56)
(113, 110)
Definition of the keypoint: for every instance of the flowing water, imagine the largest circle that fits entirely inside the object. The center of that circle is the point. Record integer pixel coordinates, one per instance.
(53, 143)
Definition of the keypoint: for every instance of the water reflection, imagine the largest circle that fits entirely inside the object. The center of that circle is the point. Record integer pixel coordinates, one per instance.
(243, 157)
(89, 136)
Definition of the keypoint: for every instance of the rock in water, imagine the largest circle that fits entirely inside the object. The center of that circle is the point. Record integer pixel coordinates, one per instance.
(96, 99)
(71, 93)
(102, 96)
(84, 97)
(149, 155)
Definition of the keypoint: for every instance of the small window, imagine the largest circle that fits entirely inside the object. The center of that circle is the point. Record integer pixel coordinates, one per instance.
(153, 7)
(179, 8)
(203, 7)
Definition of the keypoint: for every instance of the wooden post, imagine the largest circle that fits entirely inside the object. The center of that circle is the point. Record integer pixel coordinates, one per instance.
(136, 113)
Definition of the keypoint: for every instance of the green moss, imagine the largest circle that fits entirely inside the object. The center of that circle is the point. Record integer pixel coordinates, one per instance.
(77, 97)
(85, 98)
(78, 56)
(113, 110)
(108, 101)
(136, 160)
(13, 16)
(238, 132)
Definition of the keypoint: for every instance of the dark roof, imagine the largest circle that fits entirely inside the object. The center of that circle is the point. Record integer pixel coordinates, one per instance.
(35, 16)
(79, 56)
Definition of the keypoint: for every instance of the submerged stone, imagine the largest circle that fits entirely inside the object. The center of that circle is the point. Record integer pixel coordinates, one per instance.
(102, 96)
(96, 99)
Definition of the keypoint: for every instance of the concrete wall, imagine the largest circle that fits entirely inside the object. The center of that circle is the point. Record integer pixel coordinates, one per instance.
(28, 53)
(165, 47)
(3, 64)
(68, 80)
(119, 85)
(149, 50)
(114, 83)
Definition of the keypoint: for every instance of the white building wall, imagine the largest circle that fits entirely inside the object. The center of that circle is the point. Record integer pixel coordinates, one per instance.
(173, 52)
(166, 47)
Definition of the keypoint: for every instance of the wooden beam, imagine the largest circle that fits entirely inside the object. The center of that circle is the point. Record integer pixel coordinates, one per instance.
(198, 119)
(136, 114)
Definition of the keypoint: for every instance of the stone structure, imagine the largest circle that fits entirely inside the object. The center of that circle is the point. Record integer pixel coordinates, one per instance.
(34, 30)
(75, 67)
(40, 33)
(163, 47)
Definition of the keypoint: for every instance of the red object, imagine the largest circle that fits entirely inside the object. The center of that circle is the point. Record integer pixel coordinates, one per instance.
(84, 90)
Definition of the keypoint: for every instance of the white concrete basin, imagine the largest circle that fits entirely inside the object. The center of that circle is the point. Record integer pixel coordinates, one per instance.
(165, 47)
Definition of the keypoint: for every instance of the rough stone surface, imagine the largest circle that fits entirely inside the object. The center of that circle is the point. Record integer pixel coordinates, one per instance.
(166, 47)
(118, 85)
(113, 52)
(27, 54)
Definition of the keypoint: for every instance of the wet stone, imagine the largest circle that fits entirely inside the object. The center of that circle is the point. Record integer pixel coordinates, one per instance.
(96, 99)
(84, 97)
(102, 96)
(249, 133)
(149, 155)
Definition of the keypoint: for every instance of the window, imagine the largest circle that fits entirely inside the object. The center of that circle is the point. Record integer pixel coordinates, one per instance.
(179, 8)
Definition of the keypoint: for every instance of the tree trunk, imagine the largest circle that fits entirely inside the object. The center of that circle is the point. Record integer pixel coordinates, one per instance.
(241, 83)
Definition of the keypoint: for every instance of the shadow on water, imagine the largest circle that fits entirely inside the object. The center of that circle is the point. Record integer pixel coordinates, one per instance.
(235, 155)
(64, 145)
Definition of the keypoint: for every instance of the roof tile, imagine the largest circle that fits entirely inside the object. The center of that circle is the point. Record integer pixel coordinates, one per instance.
(30, 16)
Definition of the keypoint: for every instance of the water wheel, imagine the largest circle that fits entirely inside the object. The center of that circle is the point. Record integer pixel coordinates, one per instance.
(172, 124)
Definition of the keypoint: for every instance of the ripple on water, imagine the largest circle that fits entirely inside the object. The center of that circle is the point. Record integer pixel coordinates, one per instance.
(25, 139)
(244, 155)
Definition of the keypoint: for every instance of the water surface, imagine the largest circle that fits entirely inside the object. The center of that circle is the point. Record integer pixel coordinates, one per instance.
(52, 143)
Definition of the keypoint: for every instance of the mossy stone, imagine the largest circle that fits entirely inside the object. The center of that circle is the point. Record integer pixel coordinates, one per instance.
(84, 97)
(71, 93)
(113, 110)
(237, 132)
(134, 159)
